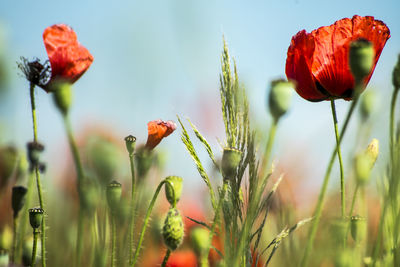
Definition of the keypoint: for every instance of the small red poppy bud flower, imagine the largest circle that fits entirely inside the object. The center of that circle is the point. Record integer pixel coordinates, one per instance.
(173, 229)
(8, 160)
(361, 58)
(34, 151)
(18, 197)
(367, 105)
(396, 75)
(358, 228)
(114, 192)
(62, 96)
(130, 142)
(280, 98)
(157, 130)
(230, 162)
(35, 217)
(173, 189)
(200, 238)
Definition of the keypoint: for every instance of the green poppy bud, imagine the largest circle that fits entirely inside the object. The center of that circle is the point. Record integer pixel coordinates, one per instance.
(18, 197)
(200, 238)
(361, 58)
(358, 228)
(173, 229)
(280, 98)
(3, 258)
(35, 217)
(173, 192)
(114, 192)
(130, 142)
(8, 160)
(396, 74)
(368, 102)
(230, 162)
(62, 97)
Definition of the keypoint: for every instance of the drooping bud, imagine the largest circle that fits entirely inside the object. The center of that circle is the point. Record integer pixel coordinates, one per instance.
(35, 217)
(200, 238)
(173, 229)
(18, 199)
(62, 96)
(230, 162)
(8, 159)
(361, 58)
(114, 192)
(367, 105)
(173, 189)
(34, 151)
(396, 75)
(280, 98)
(4, 260)
(358, 228)
(130, 142)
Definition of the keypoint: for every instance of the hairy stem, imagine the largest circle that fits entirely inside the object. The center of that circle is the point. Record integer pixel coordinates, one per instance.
(132, 221)
(167, 254)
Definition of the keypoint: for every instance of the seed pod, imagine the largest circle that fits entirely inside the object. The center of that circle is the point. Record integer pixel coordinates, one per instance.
(230, 162)
(173, 193)
(35, 217)
(62, 96)
(200, 238)
(114, 192)
(280, 98)
(173, 229)
(358, 228)
(361, 58)
(130, 142)
(18, 199)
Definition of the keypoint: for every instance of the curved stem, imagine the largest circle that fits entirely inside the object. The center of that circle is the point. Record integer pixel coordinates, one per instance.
(114, 240)
(339, 153)
(132, 222)
(321, 197)
(167, 254)
(34, 249)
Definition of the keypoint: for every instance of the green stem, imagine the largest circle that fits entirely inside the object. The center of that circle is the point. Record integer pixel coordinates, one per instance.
(339, 153)
(146, 221)
(392, 119)
(113, 241)
(34, 249)
(321, 197)
(132, 222)
(167, 254)
(15, 232)
(268, 147)
(353, 201)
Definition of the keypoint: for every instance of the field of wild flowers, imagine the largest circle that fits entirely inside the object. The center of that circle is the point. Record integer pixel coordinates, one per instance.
(114, 201)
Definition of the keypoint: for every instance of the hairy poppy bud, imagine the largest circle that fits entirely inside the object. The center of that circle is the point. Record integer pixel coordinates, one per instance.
(173, 229)
(200, 238)
(358, 228)
(114, 192)
(130, 142)
(34, 151)
(62, 96)
(230, 162)
(3, 258)
(368, 102)
(280, 98)
(396, 75)
(35, 217)
(18, 199)
(361, 58)
(173, 192)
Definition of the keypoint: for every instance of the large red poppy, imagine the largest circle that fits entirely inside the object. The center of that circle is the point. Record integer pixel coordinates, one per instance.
(318, 62)
(157, 130)
(68, 58)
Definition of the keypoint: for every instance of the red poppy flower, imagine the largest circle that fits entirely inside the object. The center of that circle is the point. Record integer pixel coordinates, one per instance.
(157, 130)
(68, 58)
(182, 258)
(318, 62)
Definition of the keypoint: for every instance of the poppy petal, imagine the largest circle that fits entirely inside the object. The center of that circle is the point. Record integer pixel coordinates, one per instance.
(157, 130)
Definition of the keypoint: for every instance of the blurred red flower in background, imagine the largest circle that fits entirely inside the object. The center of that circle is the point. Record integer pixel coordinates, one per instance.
(157, 130)
(182, 258)
(318, 62)
(68, 58)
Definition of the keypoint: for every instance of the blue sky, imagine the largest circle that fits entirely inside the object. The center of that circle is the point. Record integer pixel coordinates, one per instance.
(156, 59)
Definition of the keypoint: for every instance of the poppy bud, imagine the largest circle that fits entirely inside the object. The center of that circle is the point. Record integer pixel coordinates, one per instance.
(130, 142)
(396, 75)
(34, 151)
(358, 228)
(173, 192)
(280, 97)
(373, 150)
(18, 199)
(3, 258)
(35, 217)
(368, 102)
(8, 159)
(230, 162)
(63, 96)
(173, 229)
(361, 58)
(114, 192)
(200, 238)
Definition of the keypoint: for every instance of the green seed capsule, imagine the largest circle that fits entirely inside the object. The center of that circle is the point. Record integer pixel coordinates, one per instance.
(358, 228)
(280, 98)
(114, 192)
(35, 217)
(173, 193)
(173, 229)
(130, 142)
(361, 58)
(230, 162)
(18, 199)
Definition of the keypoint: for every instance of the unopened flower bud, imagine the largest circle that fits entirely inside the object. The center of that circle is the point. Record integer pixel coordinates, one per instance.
(114, 192)
(4, 260)
(173, 229)
(361, 58)
(34, 151)
(230, 162)
(373, 150)
(396, 74)
(18, 197)
(358, 228)
(62, 97)
(35, 217)
(200, 238)
(368, 102)
(280, 98)
(173, 189)
(130, 142)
